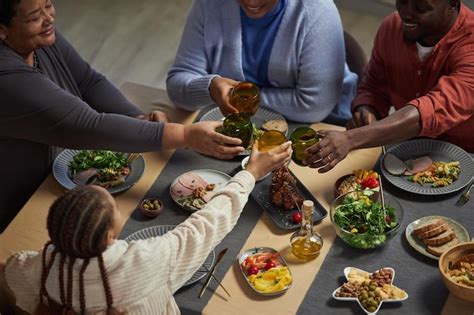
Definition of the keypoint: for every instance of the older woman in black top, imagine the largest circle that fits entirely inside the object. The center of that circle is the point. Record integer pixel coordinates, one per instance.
(50, 98)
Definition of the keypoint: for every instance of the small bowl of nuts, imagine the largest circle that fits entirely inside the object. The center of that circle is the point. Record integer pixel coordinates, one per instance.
(151, 207)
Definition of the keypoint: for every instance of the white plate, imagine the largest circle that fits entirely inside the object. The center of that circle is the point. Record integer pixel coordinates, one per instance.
(159, 230)
(210, 176)
(347, 270)
(63, 176)
(244, 162)
(261, 116)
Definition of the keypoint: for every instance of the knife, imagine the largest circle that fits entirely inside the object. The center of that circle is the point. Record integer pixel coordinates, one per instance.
(211, 272)
(217, 280)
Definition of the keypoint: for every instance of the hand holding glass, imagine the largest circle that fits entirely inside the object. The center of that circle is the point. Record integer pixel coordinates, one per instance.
(238, 126)
(245, 97)
(270, 139)
(302, 138)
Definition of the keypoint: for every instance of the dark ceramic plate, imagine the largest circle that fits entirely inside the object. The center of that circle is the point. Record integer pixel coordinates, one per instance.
(158, 230)
(438, 151)
(63, 175)
(280, 216)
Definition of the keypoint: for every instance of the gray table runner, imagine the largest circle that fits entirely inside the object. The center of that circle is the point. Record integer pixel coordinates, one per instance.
(415, 273)
(181, 162)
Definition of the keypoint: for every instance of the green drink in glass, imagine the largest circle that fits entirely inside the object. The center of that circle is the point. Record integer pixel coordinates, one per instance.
(239, 126)
(302, 138)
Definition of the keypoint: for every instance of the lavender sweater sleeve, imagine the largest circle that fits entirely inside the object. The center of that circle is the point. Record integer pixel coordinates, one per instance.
(307, 71)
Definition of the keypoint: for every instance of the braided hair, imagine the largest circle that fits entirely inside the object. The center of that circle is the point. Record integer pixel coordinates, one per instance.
(77, 223)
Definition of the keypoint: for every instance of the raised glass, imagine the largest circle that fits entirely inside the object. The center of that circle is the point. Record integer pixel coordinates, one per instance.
(302, 138)
(245, 97)
(270, 139)
(238, 126)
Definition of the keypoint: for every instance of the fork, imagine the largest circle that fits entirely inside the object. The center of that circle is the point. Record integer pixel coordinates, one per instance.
(464, 198)
(132, 157)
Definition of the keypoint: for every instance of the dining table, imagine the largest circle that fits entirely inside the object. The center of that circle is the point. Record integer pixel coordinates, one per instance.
(313, 281)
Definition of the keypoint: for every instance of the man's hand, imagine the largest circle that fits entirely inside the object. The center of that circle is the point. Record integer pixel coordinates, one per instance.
(203, 138)
(220, 89)
(330, 150)
(155, 115)
(364, 115)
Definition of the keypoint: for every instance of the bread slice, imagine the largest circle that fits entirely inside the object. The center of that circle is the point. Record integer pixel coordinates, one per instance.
(277, 124)
(428, 226)
(440, 239)
(435, 231)
(439, 250)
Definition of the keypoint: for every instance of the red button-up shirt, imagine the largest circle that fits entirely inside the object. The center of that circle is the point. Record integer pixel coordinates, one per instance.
(441, 86)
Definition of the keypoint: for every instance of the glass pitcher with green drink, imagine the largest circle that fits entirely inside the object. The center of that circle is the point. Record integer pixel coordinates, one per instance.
(302, 138)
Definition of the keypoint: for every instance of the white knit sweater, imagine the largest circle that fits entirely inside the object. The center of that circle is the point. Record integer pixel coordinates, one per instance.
(144, 274)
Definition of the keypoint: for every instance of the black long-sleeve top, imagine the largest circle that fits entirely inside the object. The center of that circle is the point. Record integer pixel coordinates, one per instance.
(63, 103)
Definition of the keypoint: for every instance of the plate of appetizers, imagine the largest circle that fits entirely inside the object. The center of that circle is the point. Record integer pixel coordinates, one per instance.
(159, 230)
(433, 235)
(428, 167)
(281, 195)
(193, 189)
(265, 271)
(369, 290)
(111, 170)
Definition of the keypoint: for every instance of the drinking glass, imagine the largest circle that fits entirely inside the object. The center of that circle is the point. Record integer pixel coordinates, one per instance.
(238, 126)
(245, 97)
(270, 139)
(302, 138)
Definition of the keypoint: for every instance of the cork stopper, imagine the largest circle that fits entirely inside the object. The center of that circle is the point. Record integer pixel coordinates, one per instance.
(308, 205)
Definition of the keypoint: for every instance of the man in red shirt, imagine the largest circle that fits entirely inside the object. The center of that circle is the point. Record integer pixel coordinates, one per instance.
(423, 65)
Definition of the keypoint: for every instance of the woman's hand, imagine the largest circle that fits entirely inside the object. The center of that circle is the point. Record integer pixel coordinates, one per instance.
(155, 115)
(202, 137)
(260, 163)
(220, 89)
(330, 150)
(364, 115)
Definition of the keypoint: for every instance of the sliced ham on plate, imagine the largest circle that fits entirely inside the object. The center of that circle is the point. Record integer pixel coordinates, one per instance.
(192, 181)
(83, 177)
(187, 183)
(394, 165)
(418, 165)
(180, 191)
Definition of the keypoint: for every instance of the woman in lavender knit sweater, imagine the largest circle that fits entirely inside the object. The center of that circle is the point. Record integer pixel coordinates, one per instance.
(297, 57)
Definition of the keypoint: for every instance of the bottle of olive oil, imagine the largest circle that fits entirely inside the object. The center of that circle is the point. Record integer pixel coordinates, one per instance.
(306, 243)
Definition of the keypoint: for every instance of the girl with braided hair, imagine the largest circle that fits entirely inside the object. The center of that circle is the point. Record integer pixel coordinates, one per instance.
(85, 269)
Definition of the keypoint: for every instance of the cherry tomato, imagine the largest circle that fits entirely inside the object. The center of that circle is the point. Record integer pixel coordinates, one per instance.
(370, 182)
(296, 217)
(388, 219)
(253, 270)
(270, 265)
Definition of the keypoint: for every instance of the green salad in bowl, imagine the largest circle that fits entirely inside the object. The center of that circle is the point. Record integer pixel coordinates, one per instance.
(362, 222)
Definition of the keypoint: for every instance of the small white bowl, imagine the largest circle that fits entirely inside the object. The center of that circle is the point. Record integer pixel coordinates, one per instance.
(244, 164)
